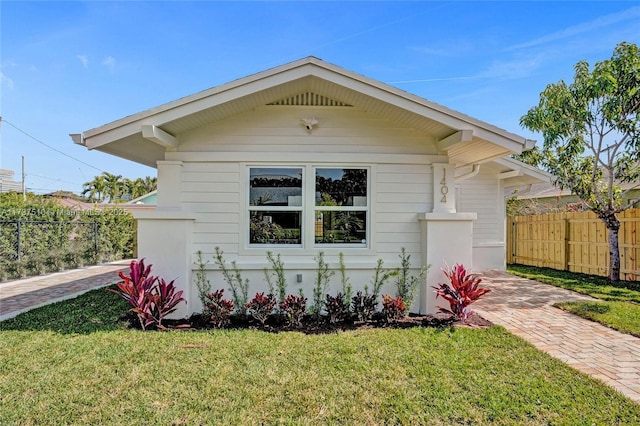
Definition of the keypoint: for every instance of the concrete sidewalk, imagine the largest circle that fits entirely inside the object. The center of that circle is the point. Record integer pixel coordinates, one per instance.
(524, 307)
(22, 295)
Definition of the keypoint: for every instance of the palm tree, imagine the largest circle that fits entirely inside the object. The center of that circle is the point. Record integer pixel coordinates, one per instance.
(115, 186)
(116, 189)
(150, 183)
(95, 190)
(140, 186)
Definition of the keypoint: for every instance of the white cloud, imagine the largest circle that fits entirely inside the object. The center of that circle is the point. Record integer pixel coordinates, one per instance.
(84, 60)
(513, 69)
(436, 51)
(5, 80)
(446, 48)
(603, 21)
(516, 68)
(110, 63)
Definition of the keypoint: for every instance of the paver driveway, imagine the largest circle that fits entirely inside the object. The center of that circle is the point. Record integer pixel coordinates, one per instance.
(524, 307)
(21, 295)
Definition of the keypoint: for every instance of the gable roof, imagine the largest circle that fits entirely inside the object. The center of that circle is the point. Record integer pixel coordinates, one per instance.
(150, 198)
(144, 137)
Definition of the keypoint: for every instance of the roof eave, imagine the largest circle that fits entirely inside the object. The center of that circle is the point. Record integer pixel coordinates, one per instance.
(310, 66)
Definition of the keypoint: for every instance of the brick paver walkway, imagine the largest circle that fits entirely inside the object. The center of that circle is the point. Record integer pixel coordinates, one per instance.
(524, 307)
(22, 295)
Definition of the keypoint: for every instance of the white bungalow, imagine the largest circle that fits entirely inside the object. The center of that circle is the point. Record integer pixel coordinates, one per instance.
(309, 157)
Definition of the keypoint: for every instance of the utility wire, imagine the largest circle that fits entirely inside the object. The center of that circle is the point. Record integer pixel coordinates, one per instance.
(54, 179)
(4, 120)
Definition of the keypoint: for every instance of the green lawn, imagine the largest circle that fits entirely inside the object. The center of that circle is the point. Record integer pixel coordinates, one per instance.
(620, 306)
(74, 363)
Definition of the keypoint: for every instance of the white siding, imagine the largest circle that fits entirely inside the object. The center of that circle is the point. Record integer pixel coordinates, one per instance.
(213, 186)
(280, 129)
(402, 192)
(482, 194)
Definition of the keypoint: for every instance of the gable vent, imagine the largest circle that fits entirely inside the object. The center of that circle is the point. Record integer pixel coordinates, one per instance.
(309, 99)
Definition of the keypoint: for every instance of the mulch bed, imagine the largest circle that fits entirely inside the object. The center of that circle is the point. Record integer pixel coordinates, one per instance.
(311, 325)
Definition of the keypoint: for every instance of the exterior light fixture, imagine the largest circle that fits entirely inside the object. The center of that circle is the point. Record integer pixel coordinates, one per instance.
(309, 123)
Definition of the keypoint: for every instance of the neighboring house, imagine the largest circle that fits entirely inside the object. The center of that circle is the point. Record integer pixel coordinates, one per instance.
(544, 197)
(309, 157)
(69, 200)
(150, 198)
(7, 184)
(72, 202)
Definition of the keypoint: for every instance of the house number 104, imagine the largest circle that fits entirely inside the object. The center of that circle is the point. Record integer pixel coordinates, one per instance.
(444, 189)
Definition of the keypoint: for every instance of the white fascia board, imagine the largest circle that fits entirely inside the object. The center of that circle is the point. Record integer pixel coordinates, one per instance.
(391, 96)
(77, 138)
(195, 99)
(186, 106)
(288, 72)
(438, 112)
(510, 174)
(526, 169)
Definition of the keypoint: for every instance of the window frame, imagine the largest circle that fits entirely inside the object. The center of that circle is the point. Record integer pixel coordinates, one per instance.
(307, 209)
(353, 208)
(257, 208)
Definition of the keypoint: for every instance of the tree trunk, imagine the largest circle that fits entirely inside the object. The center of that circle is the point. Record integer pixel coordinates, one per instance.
(613, 225)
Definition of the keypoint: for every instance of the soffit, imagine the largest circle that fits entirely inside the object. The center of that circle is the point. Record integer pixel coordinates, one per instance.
(303, 85)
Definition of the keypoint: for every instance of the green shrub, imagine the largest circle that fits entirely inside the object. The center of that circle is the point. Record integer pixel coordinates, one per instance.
(407, 284)
(35, 266)
(277, 275)
(45, 228)
(202, 283)
(323, 276)
(239, 287)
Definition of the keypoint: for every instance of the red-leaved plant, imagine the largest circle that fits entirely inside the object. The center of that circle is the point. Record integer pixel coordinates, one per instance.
(218, 308)
(337, 309)
(164, 301)
(393, 308)
(364, 305)
(151, 298)
(261, 306)
(294, 307)
(461, 291)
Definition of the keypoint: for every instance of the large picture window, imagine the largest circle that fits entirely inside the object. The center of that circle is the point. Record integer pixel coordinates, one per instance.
(308, 206)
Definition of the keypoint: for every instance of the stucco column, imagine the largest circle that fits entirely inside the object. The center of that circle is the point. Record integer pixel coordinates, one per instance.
(164, 240)
(444, 199)
(169, 181)
(446, 239)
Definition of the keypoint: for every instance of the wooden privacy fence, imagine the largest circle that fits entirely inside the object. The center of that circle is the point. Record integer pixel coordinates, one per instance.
(575, 242)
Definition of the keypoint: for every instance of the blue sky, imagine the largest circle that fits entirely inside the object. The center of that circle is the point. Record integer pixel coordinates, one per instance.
(67, 67)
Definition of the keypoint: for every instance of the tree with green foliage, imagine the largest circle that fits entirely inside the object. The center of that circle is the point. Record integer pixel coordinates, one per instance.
(95, 190)
(591, 131)
(111, 188)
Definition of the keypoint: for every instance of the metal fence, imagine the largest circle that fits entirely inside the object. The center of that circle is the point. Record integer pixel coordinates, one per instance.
(20, 239)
